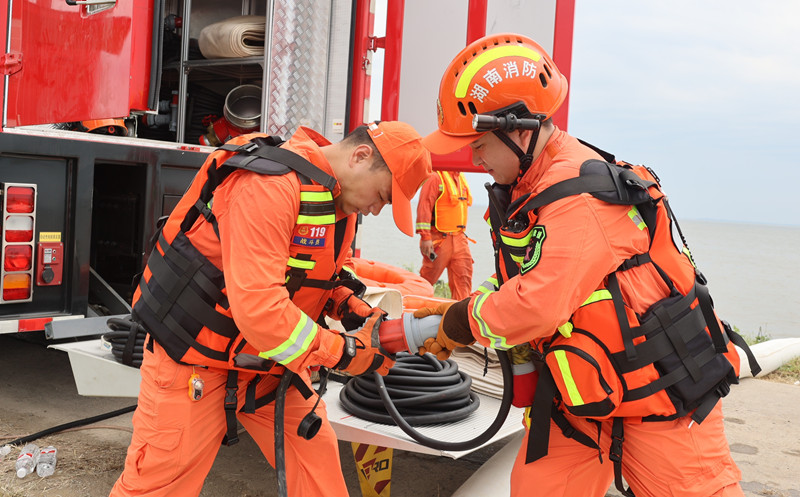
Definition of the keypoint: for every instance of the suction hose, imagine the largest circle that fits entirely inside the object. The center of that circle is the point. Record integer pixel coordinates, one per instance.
(502, 413)
(408, 334)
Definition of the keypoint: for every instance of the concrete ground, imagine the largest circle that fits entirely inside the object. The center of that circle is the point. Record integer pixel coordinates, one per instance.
(37, 391)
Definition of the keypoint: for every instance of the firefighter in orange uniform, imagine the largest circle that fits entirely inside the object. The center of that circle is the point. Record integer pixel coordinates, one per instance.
(245, 268)
(591, 292)
(441, 221)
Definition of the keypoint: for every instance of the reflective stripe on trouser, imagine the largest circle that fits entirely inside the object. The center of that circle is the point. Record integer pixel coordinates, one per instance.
(175, 440)
(452, 253)
(658, 459)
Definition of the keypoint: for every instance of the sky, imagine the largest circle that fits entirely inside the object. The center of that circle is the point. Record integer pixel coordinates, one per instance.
(705, 92)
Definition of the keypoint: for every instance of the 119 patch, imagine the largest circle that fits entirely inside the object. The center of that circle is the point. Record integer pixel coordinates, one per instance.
(534, 252)
(309, 236)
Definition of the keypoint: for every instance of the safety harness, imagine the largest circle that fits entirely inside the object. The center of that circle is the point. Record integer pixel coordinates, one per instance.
(693, 369)
(178, 303)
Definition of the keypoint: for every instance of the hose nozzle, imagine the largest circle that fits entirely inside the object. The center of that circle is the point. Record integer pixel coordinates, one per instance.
(408, 334)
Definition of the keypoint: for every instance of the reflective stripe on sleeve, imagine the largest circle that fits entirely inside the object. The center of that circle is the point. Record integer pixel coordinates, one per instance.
(423, 226)
(636, 218)
(297, 344)
(490, 285)
(496, 341)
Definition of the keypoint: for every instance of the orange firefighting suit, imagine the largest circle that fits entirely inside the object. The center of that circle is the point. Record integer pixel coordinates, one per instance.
(582, 240)
(176, 438)
(442, 218)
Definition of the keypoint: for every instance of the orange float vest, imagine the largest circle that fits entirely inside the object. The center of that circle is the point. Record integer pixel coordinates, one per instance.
(181, 299)
(452, 203)
(607, 361)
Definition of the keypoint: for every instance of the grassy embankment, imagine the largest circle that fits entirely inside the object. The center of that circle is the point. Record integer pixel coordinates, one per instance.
(788, 373)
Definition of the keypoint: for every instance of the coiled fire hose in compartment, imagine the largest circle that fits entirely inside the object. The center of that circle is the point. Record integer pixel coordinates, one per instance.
(126, 340)
(422, 390)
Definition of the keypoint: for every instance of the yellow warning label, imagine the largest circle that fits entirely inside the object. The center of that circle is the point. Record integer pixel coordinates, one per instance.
(50, 236)
(374, 468)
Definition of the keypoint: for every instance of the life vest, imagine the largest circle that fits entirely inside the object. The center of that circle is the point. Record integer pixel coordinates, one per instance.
(607, 361)
(451, 205)
(181, 299)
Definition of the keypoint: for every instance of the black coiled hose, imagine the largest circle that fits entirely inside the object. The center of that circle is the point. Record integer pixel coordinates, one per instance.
(391, 396)
(425, 391)
(127, 340)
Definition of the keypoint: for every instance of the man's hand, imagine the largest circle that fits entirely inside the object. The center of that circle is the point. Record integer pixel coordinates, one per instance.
(362, 351)
(426, 249)
(453, 331)
(347, 308)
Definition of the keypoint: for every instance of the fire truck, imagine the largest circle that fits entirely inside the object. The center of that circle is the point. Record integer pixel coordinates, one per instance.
(110, 106)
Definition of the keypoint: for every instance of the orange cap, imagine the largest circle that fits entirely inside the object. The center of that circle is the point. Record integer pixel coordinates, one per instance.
(410, 163)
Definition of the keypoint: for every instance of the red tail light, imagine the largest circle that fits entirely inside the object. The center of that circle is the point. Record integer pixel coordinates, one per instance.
(19, 229)
(18, 258)
(20, 199)
(16, 287)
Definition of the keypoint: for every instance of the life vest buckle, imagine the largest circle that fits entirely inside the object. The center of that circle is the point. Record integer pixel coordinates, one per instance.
(231, 401)
(615, 451)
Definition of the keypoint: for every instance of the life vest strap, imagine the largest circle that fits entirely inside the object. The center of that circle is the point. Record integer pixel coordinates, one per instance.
(615, 454)
(231, 403)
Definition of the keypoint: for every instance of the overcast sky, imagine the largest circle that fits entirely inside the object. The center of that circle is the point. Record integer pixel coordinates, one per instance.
(705, 92)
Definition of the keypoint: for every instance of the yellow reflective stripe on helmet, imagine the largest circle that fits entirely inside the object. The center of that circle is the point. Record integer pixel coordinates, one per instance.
(497, 342)
(572, 389)
(486, 57)
(597, 296)
(636, 218)
(300, 264)
(297, 344)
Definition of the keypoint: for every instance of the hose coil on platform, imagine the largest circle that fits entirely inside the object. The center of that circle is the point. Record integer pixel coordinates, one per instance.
(424, 390)
(127, 341)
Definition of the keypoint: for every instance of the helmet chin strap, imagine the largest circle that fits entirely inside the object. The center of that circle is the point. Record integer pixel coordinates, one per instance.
(525, 158)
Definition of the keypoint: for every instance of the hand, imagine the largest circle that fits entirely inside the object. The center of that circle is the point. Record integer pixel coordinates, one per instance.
(347, 308)
(362, 352)
(426, 249)
(453, 331)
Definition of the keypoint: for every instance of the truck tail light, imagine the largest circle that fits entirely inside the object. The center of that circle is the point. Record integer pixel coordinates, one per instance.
(16, 287)
(18, 228)
(20, 199)
(18, 258)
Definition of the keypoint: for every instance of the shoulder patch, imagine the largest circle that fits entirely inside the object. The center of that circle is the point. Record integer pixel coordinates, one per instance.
(534, 252)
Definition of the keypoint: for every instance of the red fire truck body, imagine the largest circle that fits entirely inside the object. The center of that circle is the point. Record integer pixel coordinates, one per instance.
(107, 105)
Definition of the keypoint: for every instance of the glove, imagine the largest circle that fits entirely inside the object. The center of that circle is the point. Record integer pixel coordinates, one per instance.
(347, 308)
(453, 331)
(362, 352)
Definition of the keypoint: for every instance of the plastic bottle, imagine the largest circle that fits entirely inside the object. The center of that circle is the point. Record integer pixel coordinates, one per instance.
(46, 465)
(26, 460)
(4, 451)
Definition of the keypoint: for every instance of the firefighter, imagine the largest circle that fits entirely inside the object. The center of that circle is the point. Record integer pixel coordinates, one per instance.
(591, 284)
(234, 295)
(441, 221)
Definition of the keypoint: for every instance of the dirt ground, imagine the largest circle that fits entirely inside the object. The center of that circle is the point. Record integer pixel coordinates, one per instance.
(37, 392)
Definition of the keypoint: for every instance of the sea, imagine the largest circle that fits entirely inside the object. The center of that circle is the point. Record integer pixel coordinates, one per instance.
(753, 270)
